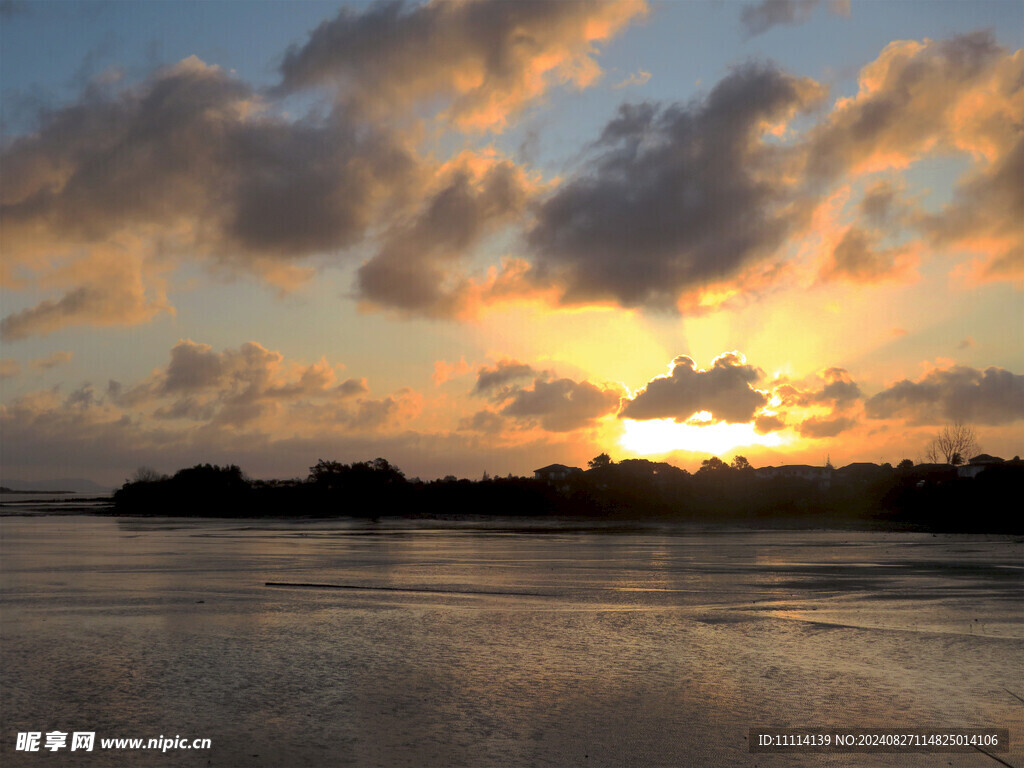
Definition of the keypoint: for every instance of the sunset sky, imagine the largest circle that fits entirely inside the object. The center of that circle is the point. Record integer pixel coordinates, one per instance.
(488, 236)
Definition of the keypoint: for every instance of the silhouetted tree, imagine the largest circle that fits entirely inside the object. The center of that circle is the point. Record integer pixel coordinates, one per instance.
(327, 473)
(712, 465)
(905, 465)
(955, 444)
(145, 475)
(740, 462)
(600, 461)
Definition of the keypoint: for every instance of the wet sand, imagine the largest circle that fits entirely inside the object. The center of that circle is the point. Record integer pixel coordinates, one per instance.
(473, 645)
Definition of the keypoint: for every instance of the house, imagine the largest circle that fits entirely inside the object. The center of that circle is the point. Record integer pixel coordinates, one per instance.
(863, 472)
(556, 474)
(977, 465)
(930, 474)
(821, 476)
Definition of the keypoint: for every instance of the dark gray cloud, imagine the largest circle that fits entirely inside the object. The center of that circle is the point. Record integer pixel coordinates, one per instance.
(83, 397)
(881, 205)
(503, 373)
(960, 393)
(193, 366)
(818, 427)
(561, 405)
(187, 408)
(190, 145)
(835, 387)
(353, 387)
(677, 196)
(725, 389)
(859, 258)
(373, 414)
(485, 421)
(760, 17)
(485, 60)
(840, 389)
(189, 161)
(411, 272)
(764, 424)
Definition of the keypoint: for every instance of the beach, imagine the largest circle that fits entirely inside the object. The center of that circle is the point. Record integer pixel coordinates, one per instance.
(487, 643)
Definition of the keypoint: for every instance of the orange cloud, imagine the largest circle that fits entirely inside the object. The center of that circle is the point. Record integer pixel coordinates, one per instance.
(444, 371)
(485, 60)
(105, 287)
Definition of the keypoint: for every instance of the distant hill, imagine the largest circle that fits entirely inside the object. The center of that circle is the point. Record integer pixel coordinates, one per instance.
(75, 484)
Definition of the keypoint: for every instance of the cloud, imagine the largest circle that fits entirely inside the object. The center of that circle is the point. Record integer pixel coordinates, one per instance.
(110, 289)
(986, 216)
(485, 421)
(561, 405)
(504, 372)
(817, 428)
(839, 390)
(485, 61)
(195, 366)
(637, 78)
(881, 205)
(678, 207)
(833, 387)
(9, 368)
(101, 440)
(858, 258)
(764, 424)
(187, 408)
(252, 388)
(253, 406)
(445, 371)
(926, 98)
(957, 393)
(193, 147)
(677, 196)
(917, 98)
(682, 205)
(353, 387)
(759, 18)
(724, 389)
(60, 357)
(412, 271)
(188, 162)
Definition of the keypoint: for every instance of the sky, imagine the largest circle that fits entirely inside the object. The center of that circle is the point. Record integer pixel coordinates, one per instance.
(483, 236)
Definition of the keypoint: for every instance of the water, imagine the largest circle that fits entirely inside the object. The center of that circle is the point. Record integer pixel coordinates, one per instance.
(497, 648)
(43, 503)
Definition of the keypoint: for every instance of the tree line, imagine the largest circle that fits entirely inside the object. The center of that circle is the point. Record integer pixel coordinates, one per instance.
(633, 489)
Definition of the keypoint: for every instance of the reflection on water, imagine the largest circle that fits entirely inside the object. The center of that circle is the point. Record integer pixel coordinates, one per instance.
(491, 647)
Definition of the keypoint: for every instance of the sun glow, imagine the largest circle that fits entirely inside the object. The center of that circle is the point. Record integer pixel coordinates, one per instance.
(665, 435)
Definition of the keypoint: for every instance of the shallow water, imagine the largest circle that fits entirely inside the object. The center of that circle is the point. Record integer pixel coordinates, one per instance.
(479, 646)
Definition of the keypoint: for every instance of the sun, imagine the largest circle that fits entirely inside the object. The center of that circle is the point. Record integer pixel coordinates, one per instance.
(657, 436)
